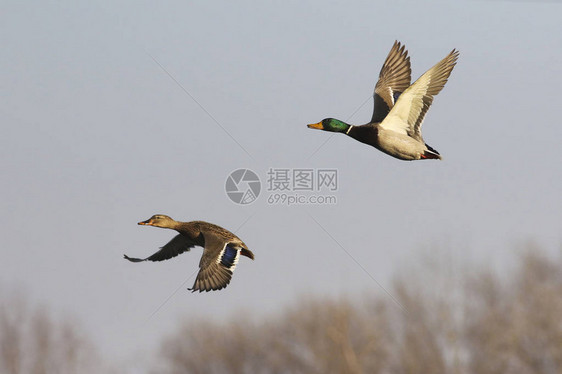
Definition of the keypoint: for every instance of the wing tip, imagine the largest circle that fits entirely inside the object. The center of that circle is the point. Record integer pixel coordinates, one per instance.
(196, 288)
(132, 259)
(454, 56)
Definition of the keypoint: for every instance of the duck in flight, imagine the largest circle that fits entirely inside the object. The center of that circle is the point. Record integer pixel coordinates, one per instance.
(400, 108)
(222, 250)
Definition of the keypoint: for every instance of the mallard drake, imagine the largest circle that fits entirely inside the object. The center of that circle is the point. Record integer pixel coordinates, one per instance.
(222, 250)
(399, 107)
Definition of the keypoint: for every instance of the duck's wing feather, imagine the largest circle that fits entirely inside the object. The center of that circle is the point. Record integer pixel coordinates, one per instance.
(174, 247)
(406, 117)
(217, 263)
(394, 78)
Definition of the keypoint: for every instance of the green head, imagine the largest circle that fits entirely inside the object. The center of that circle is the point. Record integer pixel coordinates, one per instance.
(331, 124)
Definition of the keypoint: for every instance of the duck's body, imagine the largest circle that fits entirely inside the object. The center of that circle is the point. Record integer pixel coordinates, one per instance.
(399, 108)
(394, 144)
(222, 250)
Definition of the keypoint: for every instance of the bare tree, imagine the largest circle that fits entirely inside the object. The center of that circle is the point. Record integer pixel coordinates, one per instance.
(455, 321)
(314, 337)
(515, 326)
(33, 342)
(12, 335)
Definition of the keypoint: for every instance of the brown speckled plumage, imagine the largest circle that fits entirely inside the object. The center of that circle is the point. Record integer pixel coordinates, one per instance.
(222, 249)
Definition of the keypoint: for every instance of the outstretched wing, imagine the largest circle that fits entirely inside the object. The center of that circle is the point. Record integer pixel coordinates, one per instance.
(217, 264)
(174, 247)
(394, 78)
(409, 111)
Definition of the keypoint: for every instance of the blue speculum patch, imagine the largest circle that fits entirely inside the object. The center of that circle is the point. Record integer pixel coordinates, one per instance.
(228, 256)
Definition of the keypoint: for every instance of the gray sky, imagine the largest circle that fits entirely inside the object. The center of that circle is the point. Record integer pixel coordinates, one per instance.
(96, 137)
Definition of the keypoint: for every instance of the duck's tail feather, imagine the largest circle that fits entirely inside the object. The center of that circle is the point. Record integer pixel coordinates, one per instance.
(431, 153)
(246, 252)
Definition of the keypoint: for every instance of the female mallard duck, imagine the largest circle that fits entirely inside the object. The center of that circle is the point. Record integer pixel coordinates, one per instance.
(400, 108)
(222, 250)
